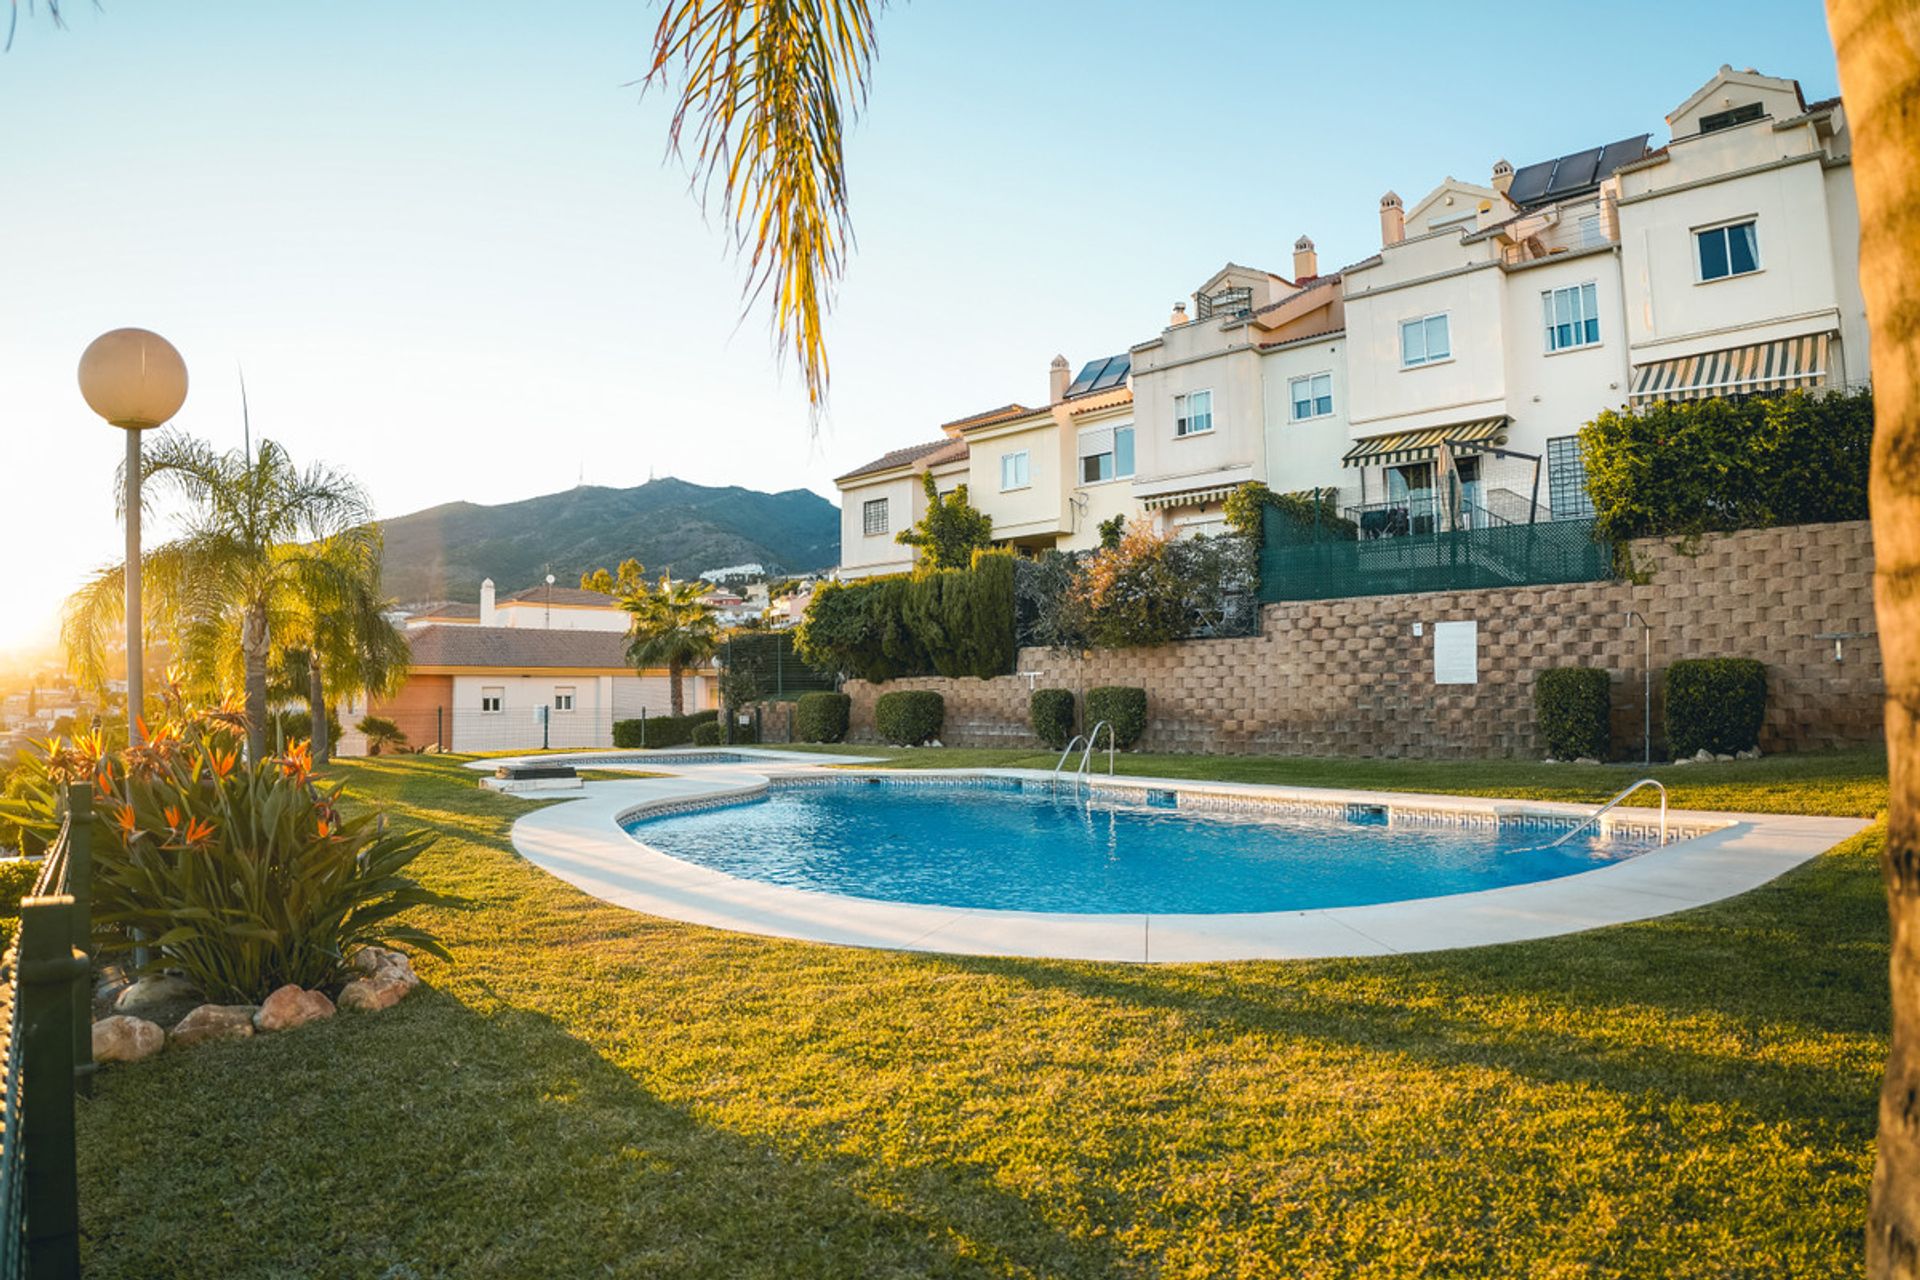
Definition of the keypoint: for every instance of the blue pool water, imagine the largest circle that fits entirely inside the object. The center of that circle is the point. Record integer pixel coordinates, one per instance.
(1001, 847)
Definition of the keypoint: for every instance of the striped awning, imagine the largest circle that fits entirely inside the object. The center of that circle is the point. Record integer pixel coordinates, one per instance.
(1737, 371)
(1401, 447)
(1189, 497)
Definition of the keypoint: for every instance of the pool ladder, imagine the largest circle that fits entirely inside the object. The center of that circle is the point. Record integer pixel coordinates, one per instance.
(1602, 811)
(1085, 768)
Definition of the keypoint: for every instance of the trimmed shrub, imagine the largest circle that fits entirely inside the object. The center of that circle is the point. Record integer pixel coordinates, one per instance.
(1124, 707)
(1699, 466)
(1050, 712)
(660, 731)
(297, 726)
(707, 733)
(1716, 705)
(1573, 710)
(950, 622)
(909, 717)
(821, 717)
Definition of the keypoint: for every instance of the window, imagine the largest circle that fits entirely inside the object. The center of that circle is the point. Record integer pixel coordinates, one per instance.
(1016, 470)
(563, 699)
(1106, 453)
(1193, 413)
(1567, 479)
(1728, 251)
(1589, 232)
(1573, 316)
(1312, 396)
(1424, 341)
(491, 700)
(873, 516)
(1727, 119)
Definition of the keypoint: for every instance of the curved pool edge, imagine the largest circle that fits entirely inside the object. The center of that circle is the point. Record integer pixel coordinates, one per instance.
(581, 841)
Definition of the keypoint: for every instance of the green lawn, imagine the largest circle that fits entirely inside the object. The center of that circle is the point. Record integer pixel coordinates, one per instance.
(590, 1092)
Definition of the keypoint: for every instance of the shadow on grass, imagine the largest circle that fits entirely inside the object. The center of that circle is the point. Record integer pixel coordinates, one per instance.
(439, 1139)
(1774, 1002)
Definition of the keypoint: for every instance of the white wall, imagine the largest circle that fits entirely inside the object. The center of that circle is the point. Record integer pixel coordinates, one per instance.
(861, 553)
(525, 613)
(1306, 455)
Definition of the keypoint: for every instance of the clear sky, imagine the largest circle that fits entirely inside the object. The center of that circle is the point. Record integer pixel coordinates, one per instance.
(444, 242)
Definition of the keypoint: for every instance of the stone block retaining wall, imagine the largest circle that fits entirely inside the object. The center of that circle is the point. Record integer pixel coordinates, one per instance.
(1348, 677)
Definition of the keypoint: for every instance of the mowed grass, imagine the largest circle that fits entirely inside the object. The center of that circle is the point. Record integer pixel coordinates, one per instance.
(591, 1092)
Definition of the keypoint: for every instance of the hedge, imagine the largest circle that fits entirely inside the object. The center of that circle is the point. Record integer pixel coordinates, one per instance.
(1573, 710)
(297, 726)
(909, 717)
(1715, 705)
(1124, 707)
(821, 717)
(660, 731)
(707, 733)
(1700, 466)
(950, 622)
(1050, 712)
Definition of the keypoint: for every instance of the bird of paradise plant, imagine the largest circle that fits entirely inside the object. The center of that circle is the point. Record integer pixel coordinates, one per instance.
(242, 877)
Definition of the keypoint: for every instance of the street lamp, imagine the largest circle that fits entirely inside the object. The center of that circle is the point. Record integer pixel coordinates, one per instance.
(135, 380)
(549, 621)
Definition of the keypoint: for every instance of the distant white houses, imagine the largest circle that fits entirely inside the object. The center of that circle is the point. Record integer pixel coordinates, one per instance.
(1493, 322)
(544, 667)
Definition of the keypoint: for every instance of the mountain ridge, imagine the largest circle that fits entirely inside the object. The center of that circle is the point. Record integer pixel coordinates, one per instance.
(442, 552)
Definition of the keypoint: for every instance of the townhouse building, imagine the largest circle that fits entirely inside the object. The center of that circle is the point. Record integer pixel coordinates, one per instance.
(1441, 382)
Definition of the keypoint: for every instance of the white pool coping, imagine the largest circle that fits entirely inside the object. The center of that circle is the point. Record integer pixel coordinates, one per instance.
(583, 843)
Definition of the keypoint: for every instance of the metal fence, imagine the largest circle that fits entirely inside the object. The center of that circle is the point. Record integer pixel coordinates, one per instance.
(1398, 557)
(48, 1046)
(777, 672)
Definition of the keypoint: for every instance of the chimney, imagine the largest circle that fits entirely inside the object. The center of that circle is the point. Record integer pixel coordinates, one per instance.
(1058, 377)
(1306, 263)
(1502, 176)
(486, 604)
(1179, 316)
(1393, 220)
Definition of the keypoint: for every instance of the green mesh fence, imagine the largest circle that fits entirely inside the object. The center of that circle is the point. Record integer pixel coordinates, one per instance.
(768, 657)
(1300, 562)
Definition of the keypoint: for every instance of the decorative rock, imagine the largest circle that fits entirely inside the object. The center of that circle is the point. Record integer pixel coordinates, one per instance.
(1703, 755)
(1586, 760)
(380, 962)
(369, 995)
(124, 1039)
(291, 1007)
(213, 1022)
(1722, 757)
(148, 992)
(1751, 753)
(1549, 760)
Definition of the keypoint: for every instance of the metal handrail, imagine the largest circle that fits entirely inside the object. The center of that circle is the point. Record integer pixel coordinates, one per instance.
(1602, 810)
(1062, 762)
(1093, 739)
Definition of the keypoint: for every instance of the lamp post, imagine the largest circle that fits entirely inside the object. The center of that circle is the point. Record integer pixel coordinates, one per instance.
(548, 624)
(1646, 684)
(135, 380)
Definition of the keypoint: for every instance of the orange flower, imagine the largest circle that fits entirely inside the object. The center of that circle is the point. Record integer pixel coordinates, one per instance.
(324, 830)
(173, 818)
(198, 830)
(297, 763)
(223, 763)
(123, 816)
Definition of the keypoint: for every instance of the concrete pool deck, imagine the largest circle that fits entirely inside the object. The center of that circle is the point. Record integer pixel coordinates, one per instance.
(582, 842)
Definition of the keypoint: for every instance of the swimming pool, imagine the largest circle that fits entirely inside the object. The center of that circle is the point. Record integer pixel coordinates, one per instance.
(999, 844)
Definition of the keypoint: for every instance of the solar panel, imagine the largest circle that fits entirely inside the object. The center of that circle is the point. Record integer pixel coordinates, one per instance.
(1114, 374)
(1572, 172)
(1530, 183)
(1084, 381)
(1625, 151)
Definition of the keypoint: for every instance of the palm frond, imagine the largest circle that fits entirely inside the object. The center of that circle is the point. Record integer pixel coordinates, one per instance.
(767, 91)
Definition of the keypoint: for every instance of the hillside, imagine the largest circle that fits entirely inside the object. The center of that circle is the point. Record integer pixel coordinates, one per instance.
(442, 553)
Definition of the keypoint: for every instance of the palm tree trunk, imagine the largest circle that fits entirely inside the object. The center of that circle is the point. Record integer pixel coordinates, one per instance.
(253, 653)
(673, 676)
(1878, 45)
(317, 710)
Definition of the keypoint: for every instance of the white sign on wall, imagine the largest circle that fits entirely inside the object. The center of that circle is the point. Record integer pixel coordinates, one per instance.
(1456, 653)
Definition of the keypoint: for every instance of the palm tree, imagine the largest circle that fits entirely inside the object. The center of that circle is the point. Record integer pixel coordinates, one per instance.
(1878, 48)
(347, 643)
(768, 88)
(672, 626)
(261, 542)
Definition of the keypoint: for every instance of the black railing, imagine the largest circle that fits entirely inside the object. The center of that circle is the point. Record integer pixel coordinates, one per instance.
(46, 1005)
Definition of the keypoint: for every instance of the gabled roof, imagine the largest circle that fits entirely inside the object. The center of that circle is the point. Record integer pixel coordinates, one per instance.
(543, 594)
(930, 453)
(471, 611)
(517, 648)
(987, 417)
